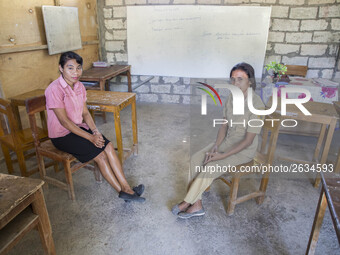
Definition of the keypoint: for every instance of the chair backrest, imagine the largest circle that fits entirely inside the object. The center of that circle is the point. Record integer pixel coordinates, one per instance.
(33, 106)
(267, 151)
(297, 70)
(6, 110)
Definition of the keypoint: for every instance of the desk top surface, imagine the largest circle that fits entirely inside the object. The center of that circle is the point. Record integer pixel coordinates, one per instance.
(111, 98)
(14, 189)
(104, 72)
(337, 106)
(315, 108)
(301, 81)
(331, 184)
(20, 99)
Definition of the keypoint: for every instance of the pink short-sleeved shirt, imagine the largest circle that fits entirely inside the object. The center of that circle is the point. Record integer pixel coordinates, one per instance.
(60, 95)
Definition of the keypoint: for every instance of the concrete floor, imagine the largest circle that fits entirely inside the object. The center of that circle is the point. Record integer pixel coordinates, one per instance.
(101, 223)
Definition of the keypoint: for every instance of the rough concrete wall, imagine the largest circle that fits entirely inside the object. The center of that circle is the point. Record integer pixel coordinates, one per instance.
(302, 32)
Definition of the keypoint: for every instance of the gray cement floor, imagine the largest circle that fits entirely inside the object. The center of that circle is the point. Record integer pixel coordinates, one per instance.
(101, 223)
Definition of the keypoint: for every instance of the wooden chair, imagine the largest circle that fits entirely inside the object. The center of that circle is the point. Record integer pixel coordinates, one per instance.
(18, 140)
(297, 70)
(47, 149)
(264, 157)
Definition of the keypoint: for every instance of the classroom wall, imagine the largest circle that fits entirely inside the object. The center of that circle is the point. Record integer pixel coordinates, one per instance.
(24, 61)
(302, 32)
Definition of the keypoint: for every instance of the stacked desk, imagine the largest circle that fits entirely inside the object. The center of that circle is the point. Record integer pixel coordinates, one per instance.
(103, 74)
(23, 208)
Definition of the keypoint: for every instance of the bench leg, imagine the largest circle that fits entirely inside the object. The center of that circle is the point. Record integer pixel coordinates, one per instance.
(233, 195)
(319, 214)
(69, 180)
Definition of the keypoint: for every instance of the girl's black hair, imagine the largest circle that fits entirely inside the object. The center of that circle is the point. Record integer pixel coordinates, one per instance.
(66, 56)
(249, 70)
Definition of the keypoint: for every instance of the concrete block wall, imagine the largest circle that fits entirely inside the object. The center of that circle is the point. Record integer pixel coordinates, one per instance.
(302, 32)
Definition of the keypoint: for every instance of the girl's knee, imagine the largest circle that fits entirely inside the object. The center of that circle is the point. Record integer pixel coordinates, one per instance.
(100, 157)
(109, 146)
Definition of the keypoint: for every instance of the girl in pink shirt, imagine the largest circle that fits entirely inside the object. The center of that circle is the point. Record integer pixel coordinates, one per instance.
(72, 129)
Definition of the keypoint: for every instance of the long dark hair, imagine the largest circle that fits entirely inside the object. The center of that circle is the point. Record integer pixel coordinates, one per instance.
(249, 70)
(66, 56)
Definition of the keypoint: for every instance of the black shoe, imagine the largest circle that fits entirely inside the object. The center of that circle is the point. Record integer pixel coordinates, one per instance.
(130, 197)
(139, 189)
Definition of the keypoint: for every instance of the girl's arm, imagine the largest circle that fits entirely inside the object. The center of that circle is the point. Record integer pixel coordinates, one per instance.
(68, 124)
(89, 121)
(246, 142)
(222, 131)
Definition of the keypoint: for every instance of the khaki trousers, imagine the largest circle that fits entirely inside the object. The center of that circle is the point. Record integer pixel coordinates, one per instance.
(201, 177)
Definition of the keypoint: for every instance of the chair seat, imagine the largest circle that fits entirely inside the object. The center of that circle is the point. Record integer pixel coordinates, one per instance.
(260, 159)
(47, 148)
(25, 137)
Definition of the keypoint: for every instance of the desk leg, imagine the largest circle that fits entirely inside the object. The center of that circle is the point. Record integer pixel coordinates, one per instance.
(44, 226)
(326, 148)
(134, 126)
(320, 141)
(102, 88)
(128, 74)
(119, 136)
(337, 163)
(102, 85)
(319, 214)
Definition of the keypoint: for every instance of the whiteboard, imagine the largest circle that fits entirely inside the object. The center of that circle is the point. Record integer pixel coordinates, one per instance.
(62, 28)
(196, 41)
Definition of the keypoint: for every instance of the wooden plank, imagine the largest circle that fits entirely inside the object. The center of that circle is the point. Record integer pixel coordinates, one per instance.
(22, 48)
(26, 67)
(249, 196)
(22, 21)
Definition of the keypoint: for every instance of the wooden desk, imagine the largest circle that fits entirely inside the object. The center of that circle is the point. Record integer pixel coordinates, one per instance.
(330, 194)
(322, 113)
(104, 74)
(319, 89)
(109, 101)
(23, 208)
(337, 163)
(19, 100)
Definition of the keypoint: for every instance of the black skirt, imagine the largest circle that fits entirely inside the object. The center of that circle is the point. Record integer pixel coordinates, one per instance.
(79, 147)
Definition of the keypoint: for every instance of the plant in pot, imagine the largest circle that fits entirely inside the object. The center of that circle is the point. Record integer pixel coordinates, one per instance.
(278, 70)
